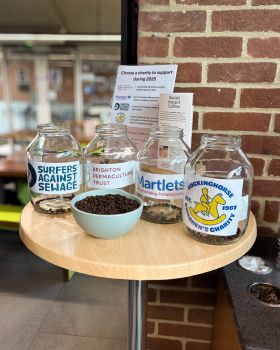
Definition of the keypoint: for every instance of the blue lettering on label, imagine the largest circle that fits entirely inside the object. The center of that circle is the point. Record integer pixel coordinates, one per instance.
(221, 227)
(54, 178)
(160, 185)
(211, 184)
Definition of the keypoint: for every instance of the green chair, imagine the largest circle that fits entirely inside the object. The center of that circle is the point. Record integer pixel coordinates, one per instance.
(10, 216)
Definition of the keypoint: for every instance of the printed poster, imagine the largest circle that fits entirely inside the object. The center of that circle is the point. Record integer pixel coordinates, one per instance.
(136, 97)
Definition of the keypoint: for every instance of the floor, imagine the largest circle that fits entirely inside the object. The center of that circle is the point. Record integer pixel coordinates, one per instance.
(38, 311)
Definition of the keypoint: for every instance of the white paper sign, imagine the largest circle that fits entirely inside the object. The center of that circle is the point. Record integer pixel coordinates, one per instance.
(136, 97)
(177, 110)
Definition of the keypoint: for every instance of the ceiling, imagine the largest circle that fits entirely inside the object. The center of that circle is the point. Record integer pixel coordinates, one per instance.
(60, 16)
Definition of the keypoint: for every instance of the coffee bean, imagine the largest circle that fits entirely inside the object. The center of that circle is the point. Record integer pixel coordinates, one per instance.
(108, 204)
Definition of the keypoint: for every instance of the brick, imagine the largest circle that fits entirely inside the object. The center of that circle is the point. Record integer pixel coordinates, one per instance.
(195, 140)
(274, 167)
(163, 344)
(195, 120)
(152, 295)
(153, 2)
(236, 121)
(208, 47)
(200, 316)
(211, 2)
(187, 297)
(178, 21)
(255, 207)
(266, 188)
(264, 47)
(185, 331)
(152, 47)
(277, 123)
(161, 312)
(260, 98)
(188, 73)
(150, 327)
(241, 72)
(205, 280)
(211, 97)
(261, 144)
(258, 165)
(197, 346)
(267, 231)
(271, 211)
(246, 20)
(265, 2)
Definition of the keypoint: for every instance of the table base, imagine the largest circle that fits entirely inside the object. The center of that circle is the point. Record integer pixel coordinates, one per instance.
(137, 315)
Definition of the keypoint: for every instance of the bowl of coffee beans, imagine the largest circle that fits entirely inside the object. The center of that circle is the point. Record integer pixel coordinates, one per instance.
(106, 213)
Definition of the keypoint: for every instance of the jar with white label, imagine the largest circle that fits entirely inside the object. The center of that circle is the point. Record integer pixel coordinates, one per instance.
(217, 190)
(160, 178)
(110, 159)
(55, 161)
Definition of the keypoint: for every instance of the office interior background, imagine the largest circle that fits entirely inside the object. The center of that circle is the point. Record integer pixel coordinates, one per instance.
(58, 62)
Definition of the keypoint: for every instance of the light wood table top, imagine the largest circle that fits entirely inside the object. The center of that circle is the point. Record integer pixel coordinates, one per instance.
(148, 252)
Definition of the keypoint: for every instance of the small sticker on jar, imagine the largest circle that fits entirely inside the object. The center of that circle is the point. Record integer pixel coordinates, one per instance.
(212, 206)
(244, 203)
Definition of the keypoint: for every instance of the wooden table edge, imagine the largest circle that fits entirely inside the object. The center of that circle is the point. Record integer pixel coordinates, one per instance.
(142, 272)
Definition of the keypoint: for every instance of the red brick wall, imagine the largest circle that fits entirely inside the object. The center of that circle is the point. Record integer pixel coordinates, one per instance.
(228, 54)
(180, 313)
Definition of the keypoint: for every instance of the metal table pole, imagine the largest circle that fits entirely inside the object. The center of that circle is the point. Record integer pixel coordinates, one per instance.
(137, 300)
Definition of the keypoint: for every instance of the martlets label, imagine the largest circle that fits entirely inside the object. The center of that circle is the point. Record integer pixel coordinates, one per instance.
(160, 186)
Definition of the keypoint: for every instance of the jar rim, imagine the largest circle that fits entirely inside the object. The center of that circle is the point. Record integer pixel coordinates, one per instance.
(111, 128)
(166, 131)
(224, 139)
(50, 128)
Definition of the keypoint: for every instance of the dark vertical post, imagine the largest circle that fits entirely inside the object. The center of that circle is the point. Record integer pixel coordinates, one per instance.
(129, 18)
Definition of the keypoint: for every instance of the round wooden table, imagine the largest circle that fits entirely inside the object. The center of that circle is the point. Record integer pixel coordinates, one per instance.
(148, 252)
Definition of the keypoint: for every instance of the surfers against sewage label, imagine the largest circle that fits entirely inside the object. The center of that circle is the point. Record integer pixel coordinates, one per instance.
(212, 206)
(54, 178)
(160, 186)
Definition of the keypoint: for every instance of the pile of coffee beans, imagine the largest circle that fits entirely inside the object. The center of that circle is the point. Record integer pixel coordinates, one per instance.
(267, 294)
(108, 204)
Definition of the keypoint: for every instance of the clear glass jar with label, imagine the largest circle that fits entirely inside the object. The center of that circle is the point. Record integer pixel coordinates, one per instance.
(55, 162)
(160, 178)
(217, 191)
(111, 159)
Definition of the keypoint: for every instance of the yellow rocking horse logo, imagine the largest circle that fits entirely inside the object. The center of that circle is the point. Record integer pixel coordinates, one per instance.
(208, 207)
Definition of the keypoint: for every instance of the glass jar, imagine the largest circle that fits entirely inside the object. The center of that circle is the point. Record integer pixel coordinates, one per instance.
(54, 169)
(110, 159)
(217, 192)
(160, 179)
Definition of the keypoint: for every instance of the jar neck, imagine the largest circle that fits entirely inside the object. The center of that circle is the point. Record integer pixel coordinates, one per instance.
(111, 130)
(52, 129)
(167, 132)
(234, 141)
